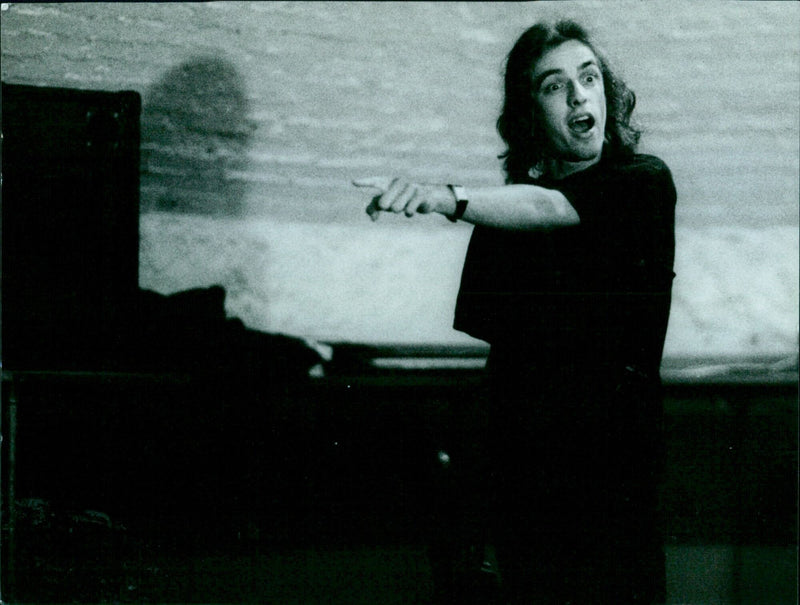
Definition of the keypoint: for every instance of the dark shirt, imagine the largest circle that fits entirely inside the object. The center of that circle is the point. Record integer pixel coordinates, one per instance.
(593, 295)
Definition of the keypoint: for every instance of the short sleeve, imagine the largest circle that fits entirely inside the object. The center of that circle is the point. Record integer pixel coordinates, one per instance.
(629, 209)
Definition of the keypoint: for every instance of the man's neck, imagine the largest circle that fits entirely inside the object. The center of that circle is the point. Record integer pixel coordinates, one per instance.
(559, 169)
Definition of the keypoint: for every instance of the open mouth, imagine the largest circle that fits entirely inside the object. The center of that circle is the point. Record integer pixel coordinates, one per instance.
(581, 124)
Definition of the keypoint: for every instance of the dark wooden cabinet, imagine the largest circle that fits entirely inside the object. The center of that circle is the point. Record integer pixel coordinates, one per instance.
(70, 227)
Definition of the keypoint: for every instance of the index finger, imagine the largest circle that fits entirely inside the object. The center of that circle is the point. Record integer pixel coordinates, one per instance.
(382, 183)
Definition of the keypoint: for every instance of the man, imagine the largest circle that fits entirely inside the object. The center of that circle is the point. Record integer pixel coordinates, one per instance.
(568, 276)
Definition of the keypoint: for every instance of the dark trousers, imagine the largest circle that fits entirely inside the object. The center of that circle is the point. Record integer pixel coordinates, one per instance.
(576, 460)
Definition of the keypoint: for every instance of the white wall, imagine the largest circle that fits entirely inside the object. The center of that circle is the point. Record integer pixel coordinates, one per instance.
(257, 116)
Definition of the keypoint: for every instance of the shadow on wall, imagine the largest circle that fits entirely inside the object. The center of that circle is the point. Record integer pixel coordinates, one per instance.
(195, 132)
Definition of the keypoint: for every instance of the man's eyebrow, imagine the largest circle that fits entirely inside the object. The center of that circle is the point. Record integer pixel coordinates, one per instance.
(537, 81)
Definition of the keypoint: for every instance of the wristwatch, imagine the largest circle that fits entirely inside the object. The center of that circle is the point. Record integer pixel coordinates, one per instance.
(461, 202)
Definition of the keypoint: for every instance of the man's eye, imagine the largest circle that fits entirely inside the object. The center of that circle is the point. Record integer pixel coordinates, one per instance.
(552, 86)
(591, 78)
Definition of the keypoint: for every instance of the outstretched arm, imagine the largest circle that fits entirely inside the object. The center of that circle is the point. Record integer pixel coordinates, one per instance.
(516, 207)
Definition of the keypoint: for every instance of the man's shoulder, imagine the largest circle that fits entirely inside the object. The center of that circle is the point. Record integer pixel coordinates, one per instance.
(643, 172)
(641, 162)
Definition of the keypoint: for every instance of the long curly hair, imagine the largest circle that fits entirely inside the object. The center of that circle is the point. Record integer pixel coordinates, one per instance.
(517, 122)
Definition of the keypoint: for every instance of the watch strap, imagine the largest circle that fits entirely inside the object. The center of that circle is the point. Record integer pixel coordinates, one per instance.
(461, 202)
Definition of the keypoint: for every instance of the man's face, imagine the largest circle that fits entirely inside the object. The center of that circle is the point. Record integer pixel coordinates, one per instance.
(570, 102)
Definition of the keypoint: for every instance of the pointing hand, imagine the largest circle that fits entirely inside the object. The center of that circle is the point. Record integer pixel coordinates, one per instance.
(400, 195)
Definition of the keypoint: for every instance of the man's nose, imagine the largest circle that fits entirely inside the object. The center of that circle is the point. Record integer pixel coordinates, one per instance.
(577, 95)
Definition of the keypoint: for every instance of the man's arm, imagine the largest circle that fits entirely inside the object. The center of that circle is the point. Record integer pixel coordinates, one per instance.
(515, 207)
